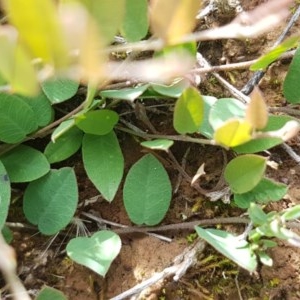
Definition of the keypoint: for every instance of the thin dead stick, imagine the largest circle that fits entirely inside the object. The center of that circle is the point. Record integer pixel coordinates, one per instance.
(8, 268)
(291, 152)
(180, 265)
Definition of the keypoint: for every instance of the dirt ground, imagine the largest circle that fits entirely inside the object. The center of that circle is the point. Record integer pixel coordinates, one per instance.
(44, 262)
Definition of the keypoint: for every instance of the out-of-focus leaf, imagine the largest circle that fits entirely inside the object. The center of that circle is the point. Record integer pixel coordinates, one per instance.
(173, 90)
(159, 144)
(38, 25)
(17, 68)
(257, 110)
(172, 19)
(135, 24)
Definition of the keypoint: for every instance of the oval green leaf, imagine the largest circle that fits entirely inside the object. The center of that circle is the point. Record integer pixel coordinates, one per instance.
(147, 191)
(24, 164)
(188, 112)
(65, 146)
(98, 122)
(173, 90)
(51, 201)
(135, 23)
(49, 293)
(243, 173)
(17, 119)
(58, 90)
(103, 162)
(159, 144)
(291, 82)
(4, 194)
(96, 252)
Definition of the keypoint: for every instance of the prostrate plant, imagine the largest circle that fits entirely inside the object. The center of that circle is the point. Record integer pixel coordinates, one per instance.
(56, 52)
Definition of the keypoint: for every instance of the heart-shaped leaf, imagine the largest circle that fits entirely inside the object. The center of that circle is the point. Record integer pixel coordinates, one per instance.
(188, 112)
(244, 172)
(147, 191)
(50, 202)
(96, 252)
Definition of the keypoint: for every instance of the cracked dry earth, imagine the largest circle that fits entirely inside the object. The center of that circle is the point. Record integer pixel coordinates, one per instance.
(213, 276)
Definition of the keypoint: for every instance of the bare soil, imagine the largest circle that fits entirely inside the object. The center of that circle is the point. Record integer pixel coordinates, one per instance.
(213, 277)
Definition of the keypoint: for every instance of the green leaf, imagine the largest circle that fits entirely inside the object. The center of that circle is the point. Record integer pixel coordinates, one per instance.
(39, 28)
(188, 112)
(159, 144)
(65, 146)
(265, 259)
(147, 191)
(42, 109)
(96, 252)
(4, 194)
(290, 84)
(135, 24)
(108, 17)
(205, 127)
(49, 293)
(292, 213)
(61, 129)
(225, 109)
(17, 119)
(7, 234)
(277, 122)
(244, 172)
(50, 202)
(263, 62)
(125, 94)
(98, 122)
(257, 215)
(257, 145)
(59, 89)
(173, 90)
(265, 192)
(104, 163)
(24, 164)
(230, 246)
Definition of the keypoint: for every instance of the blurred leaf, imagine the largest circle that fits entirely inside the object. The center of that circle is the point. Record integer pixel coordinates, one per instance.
(265, 259)
(65, 146)
(5, 193)
(276, 122)
(49, 293)
(257, 215)
(50, 202)
(17, 119)
(7, 234)
(290, 84)
(230, 246)
(190, 48)
(159, 144)
(104, 163)
(126, 94)
(275, 53)
(257, 110)
(225, 109)
(172, 19)
(173, 90)
(233, 133)
(147, 191)
(135, 24)
(59, 89)
(41, 107)
(244, 172)
(265, 192)
(39, 29)
(96, 252)
(292, 213)
(108, 15)
(188, 112)
(24, 164)
(17, 68)
(99, 122)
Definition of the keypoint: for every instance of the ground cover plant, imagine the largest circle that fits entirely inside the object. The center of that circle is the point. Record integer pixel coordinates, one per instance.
(67, 70)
